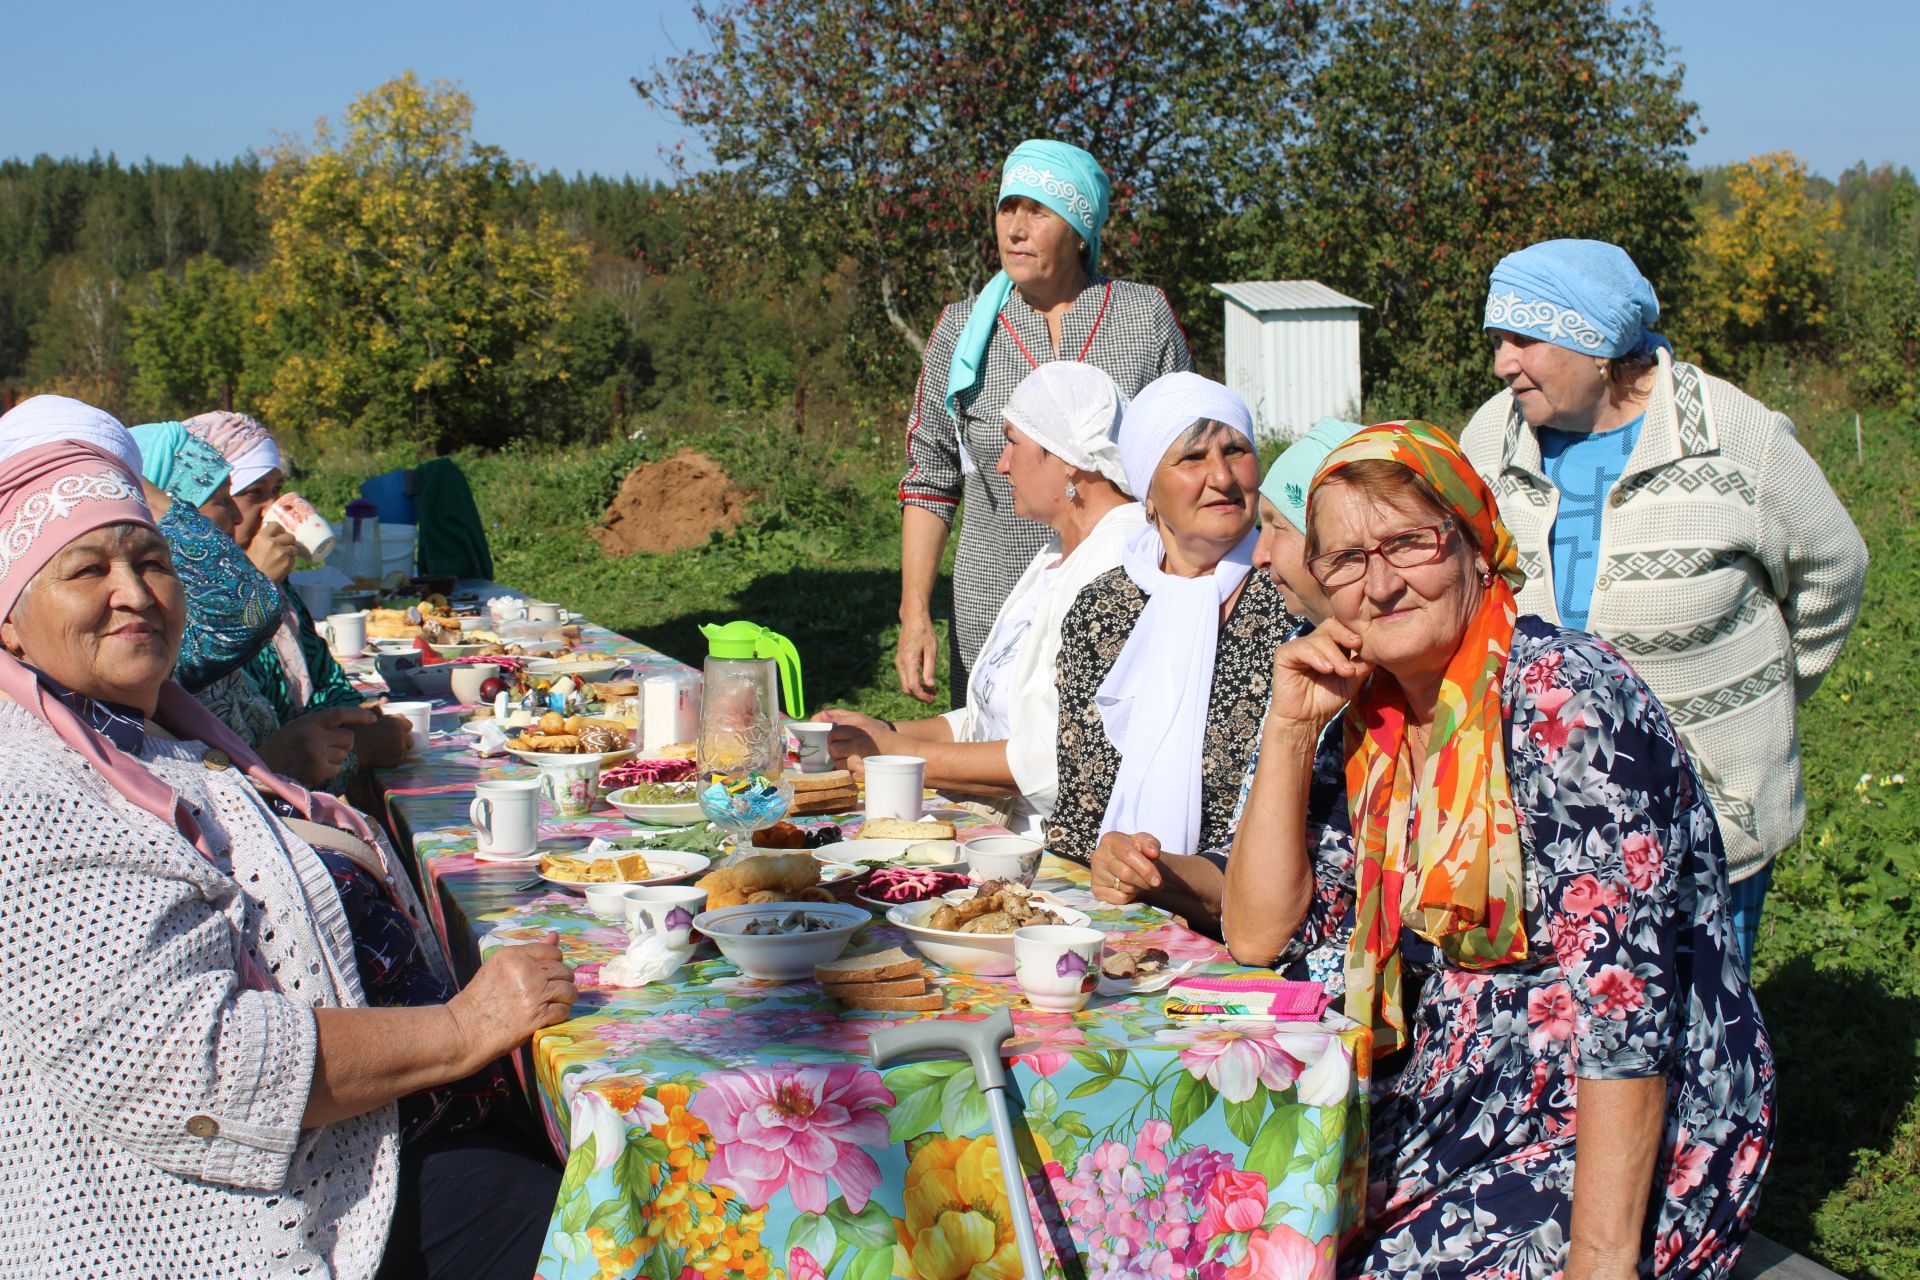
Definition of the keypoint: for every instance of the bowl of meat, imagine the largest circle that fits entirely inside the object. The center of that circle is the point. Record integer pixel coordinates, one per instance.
(971, 930)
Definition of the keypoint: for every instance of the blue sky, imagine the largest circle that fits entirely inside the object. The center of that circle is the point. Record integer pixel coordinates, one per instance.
(1833, 82)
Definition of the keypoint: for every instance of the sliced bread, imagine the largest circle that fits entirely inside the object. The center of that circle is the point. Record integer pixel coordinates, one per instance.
(831, 780)
(898, 829)
(898, 987)
(874, 966)
(898, 1004)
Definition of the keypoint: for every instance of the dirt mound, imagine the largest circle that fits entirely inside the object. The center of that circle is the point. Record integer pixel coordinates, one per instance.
(670, 505)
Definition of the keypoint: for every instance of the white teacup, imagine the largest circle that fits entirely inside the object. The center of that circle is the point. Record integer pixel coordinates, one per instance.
(665, 910)
(417, 714)
(506, 816)
(346, 634)
(812, 753)
(1014, 858)
(468, 677)
(541, 611)
(309, 528)
(1057, 965)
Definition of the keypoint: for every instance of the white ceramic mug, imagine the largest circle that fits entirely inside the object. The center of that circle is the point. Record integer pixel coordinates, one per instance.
(346, 634)
(417, 714)
(506, 815)
(894, 786)
(1013, 858)
(811, 738)
(467, 679)
(541, 611)
(667, 911)
(1057, 965)
(569, 784)
(309, 528)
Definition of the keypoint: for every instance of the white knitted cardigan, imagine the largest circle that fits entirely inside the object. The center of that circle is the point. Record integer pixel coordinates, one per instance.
(149, 1107)
(1729, 576)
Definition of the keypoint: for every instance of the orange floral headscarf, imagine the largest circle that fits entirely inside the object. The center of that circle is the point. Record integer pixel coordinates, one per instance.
(1458, 879)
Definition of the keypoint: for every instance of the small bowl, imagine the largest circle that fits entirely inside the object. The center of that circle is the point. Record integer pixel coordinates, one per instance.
(398, 671)
(608, 901)
(781, 957)
(451, 651)
(434, 682)
(1014, 858)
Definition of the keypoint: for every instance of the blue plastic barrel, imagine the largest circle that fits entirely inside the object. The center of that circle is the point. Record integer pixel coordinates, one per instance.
(388, 493)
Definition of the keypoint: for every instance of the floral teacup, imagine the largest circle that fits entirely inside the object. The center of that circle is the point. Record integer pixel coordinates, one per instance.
(665, 910)
(1057, 965)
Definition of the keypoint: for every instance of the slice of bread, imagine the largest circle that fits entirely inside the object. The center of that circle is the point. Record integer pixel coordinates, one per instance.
(903, 1004)
(814, 803)
(875, 966)
(896, 829)
(832, 780)
(852, 990)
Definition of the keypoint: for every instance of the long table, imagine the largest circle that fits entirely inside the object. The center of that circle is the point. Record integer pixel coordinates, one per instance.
(713, 1125)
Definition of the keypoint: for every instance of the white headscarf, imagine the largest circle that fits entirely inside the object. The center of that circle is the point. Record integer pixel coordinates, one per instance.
(41, 420)
(1072, 410)
(1154, 700)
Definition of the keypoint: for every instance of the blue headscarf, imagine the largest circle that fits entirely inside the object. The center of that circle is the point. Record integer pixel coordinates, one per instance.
(1584, 295)
(1291, 475)
(173, 459)
(1063, 178)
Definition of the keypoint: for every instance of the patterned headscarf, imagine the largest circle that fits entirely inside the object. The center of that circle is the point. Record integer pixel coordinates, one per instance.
(1459, 879)
(1584, 295)
(242, 441)
(1062, 177)
(172, 459)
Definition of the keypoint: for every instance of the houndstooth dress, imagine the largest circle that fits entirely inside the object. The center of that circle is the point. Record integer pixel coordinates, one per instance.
(1125, 329)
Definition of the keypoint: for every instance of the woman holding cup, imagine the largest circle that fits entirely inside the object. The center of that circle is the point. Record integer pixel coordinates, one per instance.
(296, 675)
(1063, 466)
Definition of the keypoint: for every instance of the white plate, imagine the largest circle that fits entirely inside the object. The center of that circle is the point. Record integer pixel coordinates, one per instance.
(670, 865)
(602, 757)
(835, 872)
(892, 851)
(658, 815)
(986, 954)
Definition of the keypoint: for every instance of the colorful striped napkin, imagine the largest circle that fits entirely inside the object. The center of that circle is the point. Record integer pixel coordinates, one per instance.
(1252, 996)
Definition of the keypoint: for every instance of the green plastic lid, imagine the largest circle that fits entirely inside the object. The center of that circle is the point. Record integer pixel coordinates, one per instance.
(745, 641)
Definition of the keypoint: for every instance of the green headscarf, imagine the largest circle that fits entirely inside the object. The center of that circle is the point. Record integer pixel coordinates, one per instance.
(175, 460)
(1063, 178)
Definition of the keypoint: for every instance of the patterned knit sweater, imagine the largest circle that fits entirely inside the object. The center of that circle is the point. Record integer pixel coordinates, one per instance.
(1729, 576)
(149, 1107)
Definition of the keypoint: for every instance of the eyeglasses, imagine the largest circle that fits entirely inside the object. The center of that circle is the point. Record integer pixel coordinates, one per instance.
(1408, 549)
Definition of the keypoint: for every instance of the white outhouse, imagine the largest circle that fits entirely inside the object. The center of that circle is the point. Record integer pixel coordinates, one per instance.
(1293, 353)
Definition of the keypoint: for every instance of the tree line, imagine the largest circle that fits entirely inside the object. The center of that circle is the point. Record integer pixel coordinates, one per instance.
(394, 280)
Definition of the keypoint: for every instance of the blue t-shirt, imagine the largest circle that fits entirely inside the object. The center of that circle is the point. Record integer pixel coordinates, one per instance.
(1584, 466)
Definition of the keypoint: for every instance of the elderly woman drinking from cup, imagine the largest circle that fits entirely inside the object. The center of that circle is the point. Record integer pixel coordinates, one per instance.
(1164, 661)
(1572, 1076)
(1127, 865)
(1064, 471)
(1677, 518)
(194, 1082)
(294, 676)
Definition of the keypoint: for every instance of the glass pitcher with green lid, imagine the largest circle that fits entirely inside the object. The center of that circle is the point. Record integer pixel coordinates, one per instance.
(741, 728)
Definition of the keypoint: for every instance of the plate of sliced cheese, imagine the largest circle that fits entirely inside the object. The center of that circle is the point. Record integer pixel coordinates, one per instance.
(622, 866)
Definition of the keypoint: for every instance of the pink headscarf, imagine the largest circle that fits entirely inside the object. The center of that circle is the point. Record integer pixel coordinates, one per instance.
(247, 446)
(51, 494)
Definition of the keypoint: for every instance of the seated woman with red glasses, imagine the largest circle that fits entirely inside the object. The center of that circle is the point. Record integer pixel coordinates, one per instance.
(1508, 848)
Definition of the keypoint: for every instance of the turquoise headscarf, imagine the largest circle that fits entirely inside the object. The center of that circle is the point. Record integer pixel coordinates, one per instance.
(1291, 474)
(1063, 178)
(178, 462)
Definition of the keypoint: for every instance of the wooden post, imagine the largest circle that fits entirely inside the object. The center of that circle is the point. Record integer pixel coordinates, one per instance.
(1859, 442)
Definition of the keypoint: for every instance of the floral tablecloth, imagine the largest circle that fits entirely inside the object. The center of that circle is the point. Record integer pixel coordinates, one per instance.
(718, 1126)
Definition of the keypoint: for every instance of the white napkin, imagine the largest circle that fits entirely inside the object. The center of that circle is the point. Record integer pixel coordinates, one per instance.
(489, 739)
(647, 959)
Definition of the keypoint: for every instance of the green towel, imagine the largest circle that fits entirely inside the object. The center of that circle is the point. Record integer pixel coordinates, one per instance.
(452, 538)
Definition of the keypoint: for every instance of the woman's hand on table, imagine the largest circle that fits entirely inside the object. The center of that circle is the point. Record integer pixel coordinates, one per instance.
(383, 743)
(272, 551)
(517, 991)
(1314, 676)
(1124, 867)
(310, 749)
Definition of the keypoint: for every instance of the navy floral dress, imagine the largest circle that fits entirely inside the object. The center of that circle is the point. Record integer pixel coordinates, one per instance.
(1634, 972)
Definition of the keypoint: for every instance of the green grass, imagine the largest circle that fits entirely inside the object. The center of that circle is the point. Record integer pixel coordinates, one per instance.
(1838, 969)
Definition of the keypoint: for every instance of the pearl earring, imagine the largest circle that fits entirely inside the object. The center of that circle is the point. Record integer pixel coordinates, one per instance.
(1073, 491)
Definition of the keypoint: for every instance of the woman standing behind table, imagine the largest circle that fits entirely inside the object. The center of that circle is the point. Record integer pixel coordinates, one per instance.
(1127, 866)
(1165, 661)
(1677, 518)
(1063, 468)
(1048, 302)
(1572, 1076)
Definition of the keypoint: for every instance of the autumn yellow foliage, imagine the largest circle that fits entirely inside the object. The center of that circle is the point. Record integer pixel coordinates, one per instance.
(1762, 263)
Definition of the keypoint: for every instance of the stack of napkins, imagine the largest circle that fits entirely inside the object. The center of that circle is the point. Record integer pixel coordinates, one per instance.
(1257, 997)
